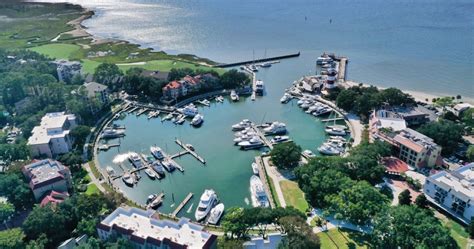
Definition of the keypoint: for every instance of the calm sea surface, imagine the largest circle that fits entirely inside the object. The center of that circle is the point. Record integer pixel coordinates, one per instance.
(415, 45)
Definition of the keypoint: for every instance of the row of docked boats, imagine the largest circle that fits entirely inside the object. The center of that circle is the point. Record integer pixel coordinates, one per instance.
(334, 146)
(313, 107)
(209, 209)
(247, 136)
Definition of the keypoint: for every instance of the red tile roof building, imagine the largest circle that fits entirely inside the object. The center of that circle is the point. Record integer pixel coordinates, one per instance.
(47, 175)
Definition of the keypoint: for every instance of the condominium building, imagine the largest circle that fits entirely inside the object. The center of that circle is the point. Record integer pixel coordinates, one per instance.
(143, 230)
(52, 137)
(67, 69)
(417, 149)
(453, 191)
(46, 176)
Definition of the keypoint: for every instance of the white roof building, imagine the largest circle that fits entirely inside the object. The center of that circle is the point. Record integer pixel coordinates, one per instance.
(51, 137)
(453, 191)
(145, 231)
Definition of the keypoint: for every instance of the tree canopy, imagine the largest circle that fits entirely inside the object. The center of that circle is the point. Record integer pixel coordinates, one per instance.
(445, 133)
(12, 239)
(286, 155)
(107, 73)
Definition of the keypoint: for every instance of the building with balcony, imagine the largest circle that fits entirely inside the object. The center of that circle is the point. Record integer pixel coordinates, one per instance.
(453, 191)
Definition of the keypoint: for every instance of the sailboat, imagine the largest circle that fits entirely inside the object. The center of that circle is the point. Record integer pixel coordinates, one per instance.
(265, 64)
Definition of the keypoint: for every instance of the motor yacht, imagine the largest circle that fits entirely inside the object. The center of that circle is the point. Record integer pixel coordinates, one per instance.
(206, 203)
(259, 87)
(308, 154)
(157, 201)
(254, 143)
(157, 152)
(216, 214)
(258, 194)
(150, 198)
(241, 125)
(150, 173)
(180, 120)
(112, 133)
(335, 131)
(168, 165)
(242, 138)
(128, 179)
(279, 139)
(285, 98)
(322, 111)
(234, 96)
(197, 120)
(266, 64)
(167, 117)
(158, 168)
(255, 168)
(327, 149)
(276, 128)
(134, 158)
(189, 110)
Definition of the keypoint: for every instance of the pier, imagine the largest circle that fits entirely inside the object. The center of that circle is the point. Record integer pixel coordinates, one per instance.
(262, 137)
(287, 56)
(182, 204)
(107, 146)
(254, 86)
(263, 176)
(332, 119)
(142, 111)
(176, 165)
(341, 75)
(194, 154)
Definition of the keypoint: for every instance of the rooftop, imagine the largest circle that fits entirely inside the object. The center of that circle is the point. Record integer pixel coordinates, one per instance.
(140, 224)
(415, 140)
(51, 126)
(460, 181)
(388, 119)
(93, 87)
(43, 172)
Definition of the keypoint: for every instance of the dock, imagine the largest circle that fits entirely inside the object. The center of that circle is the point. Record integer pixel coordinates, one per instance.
(341, 76)
(194, 154)
(107, 146)
(142, 111)
(182, 204)
(254, 86)
(179, 167)
(263, 177)
(262, 137)
(134, 108)
(275, 58)
(332, 119)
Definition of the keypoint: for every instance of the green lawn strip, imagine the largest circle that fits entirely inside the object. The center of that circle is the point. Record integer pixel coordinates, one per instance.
(342, 238)
(456, 230)
(293, 195)
(92, 189)
(57, 50)
(94, 169)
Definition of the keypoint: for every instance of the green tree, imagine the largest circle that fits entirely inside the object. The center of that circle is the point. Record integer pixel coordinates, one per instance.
(421, 201)
(92, 243)
(226, 243)
(471, 229)
(178, 73)
(234, 79)
(107, 73)
(40, 243)
(395, 97)
(6, 211)
(445, 133)
(16, 190)
(87, 226)
(299, 234)
(409, 227)
(286, 155)
(345, 99)
(404, 198)
(80, 134)
(45, 220)
(467, 117)
(12, 239)
(470, 153)
(234, 224)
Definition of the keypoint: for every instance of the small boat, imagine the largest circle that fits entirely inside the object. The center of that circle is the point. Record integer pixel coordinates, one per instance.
(180, 120)
(286, 97)
(151, 198)
(189, 110)
(128, 179)
(279, 139)
(258, 194)
(197, 120)
(276, 128)
(336, 131)
(110, 170)
(206, 202)
(168, 164)
(216, 214)
(243, 138)
(190, 146)
(255, 168)
(308, 154)
(327, 149)
(259, 87)
(157, 152)
(150, 173)
(254, 143)
(322, 111)
(241, 125)
(112, 133)
(156, 202)
(158, 168)
(234, 96)
(167, 117)
(266, 64)
(253, 68)
(206, 102)
(134, 158)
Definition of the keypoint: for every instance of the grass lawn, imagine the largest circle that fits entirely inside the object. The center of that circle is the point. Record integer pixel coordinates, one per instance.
(92, 189)
(456, 230)
(293, 195)
(339, 239)
(57, 51)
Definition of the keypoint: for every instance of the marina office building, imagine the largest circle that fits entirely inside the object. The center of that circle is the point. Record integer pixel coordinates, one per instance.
(143, 230)
(52, 137)
(453, 191)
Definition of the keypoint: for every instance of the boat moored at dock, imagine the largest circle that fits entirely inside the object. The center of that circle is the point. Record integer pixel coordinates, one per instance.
(206, 203)
(234, 96)
(128, 179)
(276, 128)
(197, 120)
(216, 214)
(135, 159)
(158, 168)
(258, 194)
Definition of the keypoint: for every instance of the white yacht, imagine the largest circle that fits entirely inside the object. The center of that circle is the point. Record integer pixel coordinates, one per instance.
(254, 143)
(276, 128)
(158, 167)
(157, 152)
(241, 125)
(327, 149)
(168, 165)
(306, 104)
(189, 110)
(180, 119)
(242, 138)
(286, 97)
(259, 87)
(134, 158)
(266, 64)
(258, 194)
(197, 120)
(128, 179)
(322, 111)
(336, 131)
(255, 168)
(279, 139)
(110, 170)
(150, 173)
(308, 153)
(167, 117)
(207, 201)
(216, 214)
(234, 96)
(112, 133)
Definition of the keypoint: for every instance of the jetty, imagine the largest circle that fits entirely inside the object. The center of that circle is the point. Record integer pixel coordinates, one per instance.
(182, 204)
(142, 111)
(107, 146)
(134, 108)
(341, 76)
(262, 137)
(275, 58)
(191, 152)
(263, 177)
(332, 119)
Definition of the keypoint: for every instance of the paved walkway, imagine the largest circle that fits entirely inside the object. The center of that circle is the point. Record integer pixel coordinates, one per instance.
(333, 223)
(276, 177)
(93, 179)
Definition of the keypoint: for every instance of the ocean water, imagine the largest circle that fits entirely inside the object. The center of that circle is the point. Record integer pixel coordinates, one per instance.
(414, 45)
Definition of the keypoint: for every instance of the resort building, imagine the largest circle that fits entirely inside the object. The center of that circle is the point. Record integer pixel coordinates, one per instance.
(47, 175)
(417, 150)
(188, 85)
(458, 109)
(271, 242)
(415, 115)
(453, 191)
(172, 90)
(67, 69)
(96, 94)
(54, 198)
(385, 120)
(311, 84)
(52, 137)
(143, 230)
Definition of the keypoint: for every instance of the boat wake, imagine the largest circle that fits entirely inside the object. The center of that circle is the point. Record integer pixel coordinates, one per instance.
(190, 208)
(120, 158)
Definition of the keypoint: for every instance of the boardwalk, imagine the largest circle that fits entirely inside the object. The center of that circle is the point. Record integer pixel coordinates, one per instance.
(254, 86)
(259, 60)
(182, 204)
(194, 154)
(263, 177)
(262, 137)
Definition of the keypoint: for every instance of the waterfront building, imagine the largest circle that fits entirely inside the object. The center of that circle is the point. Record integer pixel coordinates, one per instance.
(331, 78)
(47, 175)
(415, 115)
(96, 94)
(458, 109)
(385, 120)
(271, 242)
(188, 84)
(311, 84)
(172, 90)
(52, 137)
(453, 191)
(144, 230)
(417, 149)
(67, 69)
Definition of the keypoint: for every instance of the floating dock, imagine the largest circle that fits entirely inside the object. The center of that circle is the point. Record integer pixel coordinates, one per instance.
(332, 119)
(182, 204)
(262, 137)
(194, 154)
(107, 146)
(142, 111)
(287, 56)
